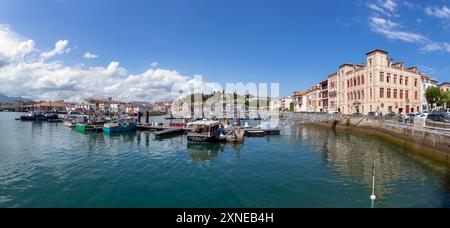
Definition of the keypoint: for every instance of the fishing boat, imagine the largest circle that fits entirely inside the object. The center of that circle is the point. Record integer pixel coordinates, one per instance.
(70, 124)
(255, 133)
(87, 127)
(204, 131)
(122, 126)
(36, 116)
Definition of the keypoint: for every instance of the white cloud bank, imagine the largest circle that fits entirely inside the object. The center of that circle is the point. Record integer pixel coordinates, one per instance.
(439, 12)
(384, 20)
(392, 30)
(24, 71)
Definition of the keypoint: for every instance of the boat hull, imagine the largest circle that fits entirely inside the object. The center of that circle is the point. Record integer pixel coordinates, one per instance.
(88, 128)
(119, 129)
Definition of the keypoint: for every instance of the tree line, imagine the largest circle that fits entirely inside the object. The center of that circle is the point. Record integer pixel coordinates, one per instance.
(437, 97)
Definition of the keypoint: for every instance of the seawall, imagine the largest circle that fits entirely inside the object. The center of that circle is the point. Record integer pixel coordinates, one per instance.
(413, 138)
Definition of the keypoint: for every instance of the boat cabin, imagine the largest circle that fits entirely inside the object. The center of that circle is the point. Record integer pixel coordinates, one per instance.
(203, 130)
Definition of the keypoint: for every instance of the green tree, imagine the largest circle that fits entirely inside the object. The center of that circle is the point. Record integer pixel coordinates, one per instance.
(291, 107)
(446, 99)
(433, 95)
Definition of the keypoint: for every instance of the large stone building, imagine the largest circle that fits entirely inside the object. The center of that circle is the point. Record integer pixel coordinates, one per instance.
(380, 86)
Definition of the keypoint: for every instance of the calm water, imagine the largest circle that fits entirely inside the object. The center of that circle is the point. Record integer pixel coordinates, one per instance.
(47, 165)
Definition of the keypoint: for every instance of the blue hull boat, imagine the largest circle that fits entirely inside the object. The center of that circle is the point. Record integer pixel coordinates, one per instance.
(118, 128)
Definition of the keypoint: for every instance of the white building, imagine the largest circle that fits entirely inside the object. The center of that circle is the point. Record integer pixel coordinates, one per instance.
(427, 82)
(300, 101)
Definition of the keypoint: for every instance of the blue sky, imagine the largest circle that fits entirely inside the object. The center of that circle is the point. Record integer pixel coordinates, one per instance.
(296, 43)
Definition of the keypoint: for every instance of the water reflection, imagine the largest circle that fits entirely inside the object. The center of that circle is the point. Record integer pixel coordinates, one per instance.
(352, 156)
(204, 152)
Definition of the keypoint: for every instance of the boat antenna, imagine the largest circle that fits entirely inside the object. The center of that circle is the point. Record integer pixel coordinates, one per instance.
(373, 197)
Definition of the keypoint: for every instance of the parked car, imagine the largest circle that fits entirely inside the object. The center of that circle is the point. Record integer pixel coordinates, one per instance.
(439, 117)
(372, 114)
(391, 114)
(423, 115)
(410, 117)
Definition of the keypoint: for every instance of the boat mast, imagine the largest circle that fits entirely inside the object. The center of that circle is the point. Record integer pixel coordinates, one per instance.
(373, 197)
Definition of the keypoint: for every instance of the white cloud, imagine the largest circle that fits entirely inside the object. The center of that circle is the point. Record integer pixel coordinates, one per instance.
(390, 5)
(436, 46)
(439, 12)
(392, 30)
(60, 48)
(154, 64)
(26, 72)
(89, 55)
(387, 7)
(13, 48)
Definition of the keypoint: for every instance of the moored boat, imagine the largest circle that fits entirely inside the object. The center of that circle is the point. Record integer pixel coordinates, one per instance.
(204, 131)
(86, 127)
(35, 116)
(70, 124)
(119, 127)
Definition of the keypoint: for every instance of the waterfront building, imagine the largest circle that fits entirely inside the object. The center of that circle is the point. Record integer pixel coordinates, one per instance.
(50, 106)
(332, 92)
(445, 87)
(323, 101)
(313, 98)
(380, 86)
(427, 82)
(300, 101)
(104, 105)
(285, 103)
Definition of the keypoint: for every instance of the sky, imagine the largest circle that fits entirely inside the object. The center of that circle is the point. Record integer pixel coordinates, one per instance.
(144, 50)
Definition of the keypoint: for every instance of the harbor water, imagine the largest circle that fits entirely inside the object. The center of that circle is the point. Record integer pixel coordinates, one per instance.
(47, 165)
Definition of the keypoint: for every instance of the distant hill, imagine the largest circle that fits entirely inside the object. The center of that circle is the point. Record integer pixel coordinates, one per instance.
(6, 99)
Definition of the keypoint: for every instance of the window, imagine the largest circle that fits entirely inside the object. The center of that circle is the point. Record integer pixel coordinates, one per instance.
(348, 83)
(416, 96)
(401, 94)
(370, 94)
(388, 78)
(370, 78)
(395, 94)
(395, 79)
(406, 81)
(406, 94)
(381, 76)
(362, 80)
(388, 95)
(359, 80)
(401, 80)
(381, 92)
(362, 94)
(354, 81)
(351, 96)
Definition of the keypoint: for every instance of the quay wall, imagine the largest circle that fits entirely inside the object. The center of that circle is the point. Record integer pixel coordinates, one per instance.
(414, 138)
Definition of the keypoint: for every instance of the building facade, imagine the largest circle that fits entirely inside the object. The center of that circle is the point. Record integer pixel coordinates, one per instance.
(313, 98)
(332, 93)
(427, 82)
(445, 87)
(380, 86)
(300, 101)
